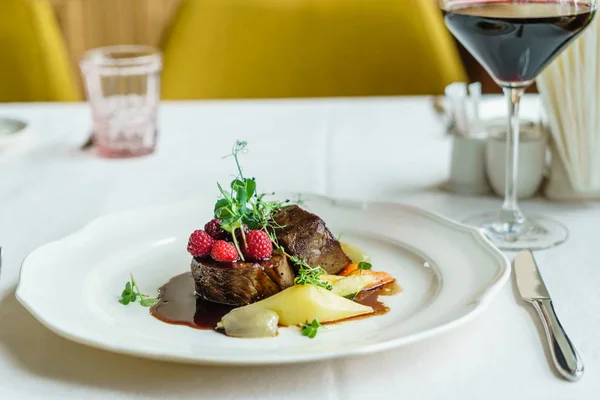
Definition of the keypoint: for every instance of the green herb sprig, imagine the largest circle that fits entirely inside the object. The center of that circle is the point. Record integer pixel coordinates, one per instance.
(242, 205)
(310, 329)
(364, 266)
(131, 293)
(310, 276)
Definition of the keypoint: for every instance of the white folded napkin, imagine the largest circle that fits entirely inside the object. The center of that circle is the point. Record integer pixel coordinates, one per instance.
(570, 91)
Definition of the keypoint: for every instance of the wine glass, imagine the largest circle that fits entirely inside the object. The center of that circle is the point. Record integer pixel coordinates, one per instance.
(514, 40)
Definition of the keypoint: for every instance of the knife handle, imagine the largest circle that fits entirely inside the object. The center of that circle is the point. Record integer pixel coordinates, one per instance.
(565, 356)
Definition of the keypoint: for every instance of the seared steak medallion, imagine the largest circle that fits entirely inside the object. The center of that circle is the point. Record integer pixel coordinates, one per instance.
(241, 283)
(305, 236)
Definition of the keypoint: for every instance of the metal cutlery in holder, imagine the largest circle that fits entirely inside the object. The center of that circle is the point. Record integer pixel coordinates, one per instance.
(467, 165)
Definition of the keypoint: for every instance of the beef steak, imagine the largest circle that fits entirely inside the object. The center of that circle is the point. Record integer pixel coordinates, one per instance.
(305, 236)
(241, 283)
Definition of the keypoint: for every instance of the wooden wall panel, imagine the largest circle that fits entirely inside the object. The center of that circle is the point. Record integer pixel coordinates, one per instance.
(87, 24)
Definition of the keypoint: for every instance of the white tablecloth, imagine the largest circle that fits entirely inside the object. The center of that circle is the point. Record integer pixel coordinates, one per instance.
(389, 149)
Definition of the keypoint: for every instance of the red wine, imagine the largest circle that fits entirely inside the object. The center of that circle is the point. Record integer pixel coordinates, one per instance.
(515, 41)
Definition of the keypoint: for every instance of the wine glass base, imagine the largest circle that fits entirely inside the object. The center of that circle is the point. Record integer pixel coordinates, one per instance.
(535, 233)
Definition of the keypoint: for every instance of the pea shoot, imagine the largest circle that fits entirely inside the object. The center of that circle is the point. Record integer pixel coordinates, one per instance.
(131, 293)
(242, 205)
(364, 266)
(310, 329)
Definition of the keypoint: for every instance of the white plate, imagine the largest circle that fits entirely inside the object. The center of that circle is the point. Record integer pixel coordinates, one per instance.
(449, 272)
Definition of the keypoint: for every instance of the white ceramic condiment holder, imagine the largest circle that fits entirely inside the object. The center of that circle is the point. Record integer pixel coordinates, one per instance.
(532, 160)
(467, 166)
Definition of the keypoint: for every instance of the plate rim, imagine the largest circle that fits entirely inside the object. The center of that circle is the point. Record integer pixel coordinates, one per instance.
(481, 301)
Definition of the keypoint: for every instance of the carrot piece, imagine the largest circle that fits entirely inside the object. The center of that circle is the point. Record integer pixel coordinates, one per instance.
(351, 269)
(381, 278)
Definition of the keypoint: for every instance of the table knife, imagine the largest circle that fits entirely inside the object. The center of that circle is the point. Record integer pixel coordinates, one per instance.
(532, 289)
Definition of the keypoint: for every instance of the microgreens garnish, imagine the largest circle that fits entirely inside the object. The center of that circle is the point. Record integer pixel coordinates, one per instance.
(310, 276)
(242, 205)
(311, 329)
(364, 266)
(132, 292)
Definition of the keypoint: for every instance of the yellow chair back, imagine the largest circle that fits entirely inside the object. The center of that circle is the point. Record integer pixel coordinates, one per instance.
(308, 48)
(34, 64)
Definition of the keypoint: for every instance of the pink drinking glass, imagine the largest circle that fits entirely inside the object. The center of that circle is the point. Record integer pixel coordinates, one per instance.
(123, 89)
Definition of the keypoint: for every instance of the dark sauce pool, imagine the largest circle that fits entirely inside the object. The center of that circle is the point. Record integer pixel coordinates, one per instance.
(178, 305)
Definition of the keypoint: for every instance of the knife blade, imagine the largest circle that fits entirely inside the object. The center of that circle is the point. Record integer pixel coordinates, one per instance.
(532, 289)
(529, 281)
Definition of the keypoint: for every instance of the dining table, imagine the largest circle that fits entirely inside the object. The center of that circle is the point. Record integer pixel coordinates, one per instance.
(391, 149)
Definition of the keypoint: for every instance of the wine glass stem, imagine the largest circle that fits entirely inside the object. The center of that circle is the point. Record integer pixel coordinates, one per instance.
(510, 208)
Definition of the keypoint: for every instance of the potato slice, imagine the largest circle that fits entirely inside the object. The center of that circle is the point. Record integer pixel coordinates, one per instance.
(301, 303)
(354, 253)
(331, 278)
(352, 284)
(347, 285)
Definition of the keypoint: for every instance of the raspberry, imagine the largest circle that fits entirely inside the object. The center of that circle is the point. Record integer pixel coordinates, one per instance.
(200, 243)
(258, 245)
(213, 228)
(223, 251)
